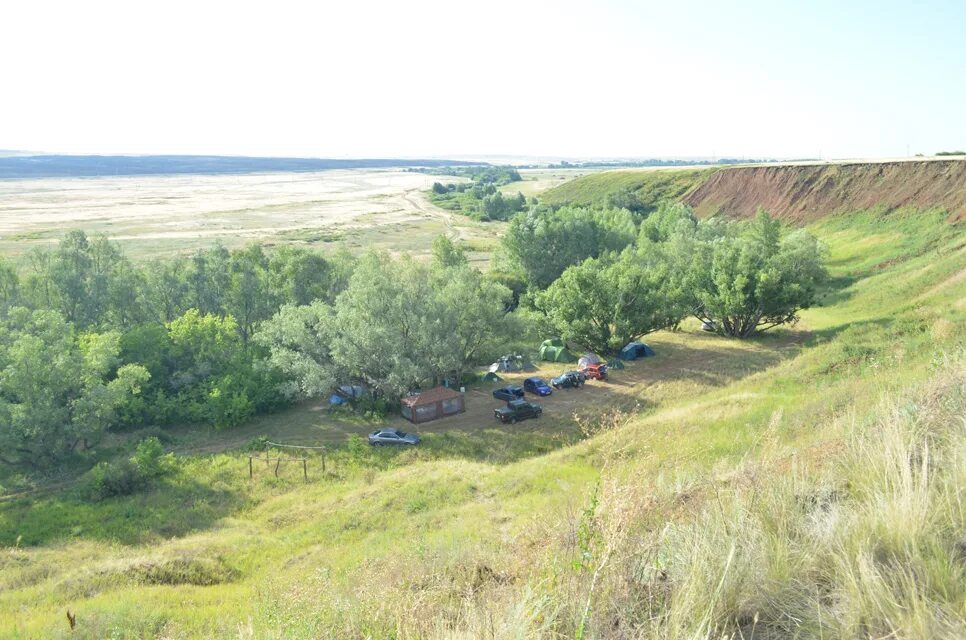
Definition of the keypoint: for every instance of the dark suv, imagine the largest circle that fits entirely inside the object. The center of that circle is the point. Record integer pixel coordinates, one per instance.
(517, 410)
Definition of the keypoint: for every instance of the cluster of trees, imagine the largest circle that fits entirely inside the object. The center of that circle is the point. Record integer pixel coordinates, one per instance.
(480, 174)
(90, 341)
(480, 199)
(602, 281)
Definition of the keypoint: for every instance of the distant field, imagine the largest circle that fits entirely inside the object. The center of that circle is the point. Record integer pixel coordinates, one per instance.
(155, 215)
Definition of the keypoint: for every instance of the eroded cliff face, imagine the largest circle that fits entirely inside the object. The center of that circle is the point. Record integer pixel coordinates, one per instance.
(802, 193)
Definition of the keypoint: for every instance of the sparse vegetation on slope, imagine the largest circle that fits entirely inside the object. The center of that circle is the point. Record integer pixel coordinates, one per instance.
(807, 193)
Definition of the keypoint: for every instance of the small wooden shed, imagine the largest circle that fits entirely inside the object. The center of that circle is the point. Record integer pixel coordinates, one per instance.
(432, 404)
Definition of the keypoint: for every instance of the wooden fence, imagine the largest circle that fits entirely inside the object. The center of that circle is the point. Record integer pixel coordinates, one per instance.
(279, 459)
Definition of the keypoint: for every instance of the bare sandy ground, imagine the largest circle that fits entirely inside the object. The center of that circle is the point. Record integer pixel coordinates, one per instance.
(170, 208)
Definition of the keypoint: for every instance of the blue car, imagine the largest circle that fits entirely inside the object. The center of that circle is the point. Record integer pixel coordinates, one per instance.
(537, 386)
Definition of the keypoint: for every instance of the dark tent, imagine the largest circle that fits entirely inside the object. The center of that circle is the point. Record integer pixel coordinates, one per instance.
(491, 377)
(635, 350)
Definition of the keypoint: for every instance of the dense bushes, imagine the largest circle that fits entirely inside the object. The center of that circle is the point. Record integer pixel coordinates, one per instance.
(480, 202)
(90, 341)
(130, 475)
(202, 372)
(480, 199)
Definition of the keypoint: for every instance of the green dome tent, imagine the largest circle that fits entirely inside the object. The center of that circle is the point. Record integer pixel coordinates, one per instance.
(554, 350)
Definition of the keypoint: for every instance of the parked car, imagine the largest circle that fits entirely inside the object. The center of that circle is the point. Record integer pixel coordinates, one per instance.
(596, 371)
(567, 380)
(509, 392)
(517, 410)
(579, 375)
(537, 386)
(392, 436)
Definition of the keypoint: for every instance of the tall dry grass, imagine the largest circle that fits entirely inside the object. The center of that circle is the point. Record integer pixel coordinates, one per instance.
(861, 537)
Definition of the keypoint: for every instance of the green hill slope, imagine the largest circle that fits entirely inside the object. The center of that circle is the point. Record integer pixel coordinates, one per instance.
(806, 484)
(651, 186)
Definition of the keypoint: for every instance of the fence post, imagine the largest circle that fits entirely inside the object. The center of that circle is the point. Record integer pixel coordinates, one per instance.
(305, 469)
(277, 465)
(251, 470)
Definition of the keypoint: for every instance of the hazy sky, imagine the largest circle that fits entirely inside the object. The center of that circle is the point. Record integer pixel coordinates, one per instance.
(558, 79)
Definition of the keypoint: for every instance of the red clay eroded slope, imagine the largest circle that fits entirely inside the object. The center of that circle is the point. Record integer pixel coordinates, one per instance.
(803, 193)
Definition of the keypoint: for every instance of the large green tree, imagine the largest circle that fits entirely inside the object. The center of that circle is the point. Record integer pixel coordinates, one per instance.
(387, 325)
(87, 280)
(602, 304)
(399, 324)
(756, 277)
(474, 308)
(297, 339)
(543, 242)
(59, 390)
(9, 285)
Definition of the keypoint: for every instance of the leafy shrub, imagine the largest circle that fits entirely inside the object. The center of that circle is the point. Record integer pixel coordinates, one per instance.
(257, 444)
(150, 459)
(128, 476)
(110, 479)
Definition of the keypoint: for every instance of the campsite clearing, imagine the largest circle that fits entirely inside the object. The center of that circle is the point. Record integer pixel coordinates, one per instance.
(686, 363)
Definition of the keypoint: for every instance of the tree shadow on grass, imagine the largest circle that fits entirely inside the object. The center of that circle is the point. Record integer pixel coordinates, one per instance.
(830, 332)
(713, 366)
(172, 508)
(837, 290)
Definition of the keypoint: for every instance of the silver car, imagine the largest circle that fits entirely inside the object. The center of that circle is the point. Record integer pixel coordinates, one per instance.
(392, 436)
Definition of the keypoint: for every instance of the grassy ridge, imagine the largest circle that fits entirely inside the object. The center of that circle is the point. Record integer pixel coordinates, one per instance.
(651, 187)
(789, 497)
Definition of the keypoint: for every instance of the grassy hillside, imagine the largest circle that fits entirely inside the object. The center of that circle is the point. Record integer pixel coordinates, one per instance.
(807, 483)
(651, 186)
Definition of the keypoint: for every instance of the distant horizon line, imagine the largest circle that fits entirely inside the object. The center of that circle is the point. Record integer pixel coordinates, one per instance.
(460, 157)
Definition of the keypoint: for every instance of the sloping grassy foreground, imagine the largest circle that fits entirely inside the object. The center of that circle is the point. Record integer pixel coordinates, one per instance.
(820, 496)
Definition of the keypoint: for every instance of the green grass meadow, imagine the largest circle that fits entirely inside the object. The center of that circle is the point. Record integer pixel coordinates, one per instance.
(807, 484)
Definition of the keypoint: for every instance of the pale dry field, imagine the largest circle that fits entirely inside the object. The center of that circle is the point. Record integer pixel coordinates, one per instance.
(154, 215)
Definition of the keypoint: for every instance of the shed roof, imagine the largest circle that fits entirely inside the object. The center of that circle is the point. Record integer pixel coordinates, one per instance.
(430, 396)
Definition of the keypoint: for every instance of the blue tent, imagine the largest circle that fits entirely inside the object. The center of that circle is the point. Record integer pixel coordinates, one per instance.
(635, 350)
